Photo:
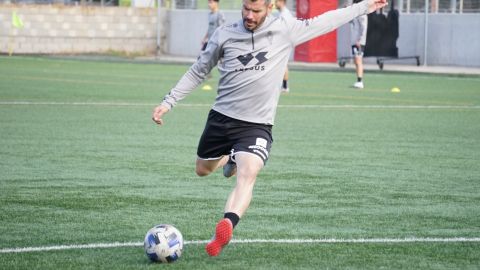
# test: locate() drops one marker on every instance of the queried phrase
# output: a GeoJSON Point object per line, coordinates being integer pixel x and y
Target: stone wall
{"type": "Point", "coordinates": [79, 29]}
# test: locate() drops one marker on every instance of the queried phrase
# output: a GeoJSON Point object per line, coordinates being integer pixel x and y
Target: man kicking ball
{"type": "Point", "coordinates": [251, 55]}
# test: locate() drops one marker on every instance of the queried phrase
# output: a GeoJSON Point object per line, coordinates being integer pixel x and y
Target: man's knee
{"type": "Point", "coordinates": [202, 171]}
{"type": "Point", "coordinates": [248, 166]}
{"type": "Point", "coordinates": [202, 168]}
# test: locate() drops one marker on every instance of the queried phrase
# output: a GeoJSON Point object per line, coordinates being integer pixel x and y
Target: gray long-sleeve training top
{"type": "Point", "coordinates": [252, 63]}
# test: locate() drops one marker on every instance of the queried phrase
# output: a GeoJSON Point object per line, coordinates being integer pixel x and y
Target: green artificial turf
{"type": "Point", "coordinates": [82, 163]}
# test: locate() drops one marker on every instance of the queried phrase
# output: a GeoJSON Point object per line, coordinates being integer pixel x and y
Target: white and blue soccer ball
{"type": "Point", "coordinates": [163, 243]}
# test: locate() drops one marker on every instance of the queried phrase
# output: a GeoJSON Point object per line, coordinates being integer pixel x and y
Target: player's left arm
{"type": "Point", "coordinates": [374, 5]}
{"type": "Point", "coordinates": [304, 30]}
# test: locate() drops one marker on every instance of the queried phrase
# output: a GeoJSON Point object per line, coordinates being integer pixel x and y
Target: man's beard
{"type": "Point", "coordinates": [257, 25]}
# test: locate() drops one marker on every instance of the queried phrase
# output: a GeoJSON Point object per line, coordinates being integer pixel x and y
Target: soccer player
{"type": "Point", "coordinates": [215, 20]}
{"type": "Point", "coordinates": [252, 55]}
{"type": "Point", "coordinates": [281, 5]}
{"type": "Point", "coordinates": [358, 38]}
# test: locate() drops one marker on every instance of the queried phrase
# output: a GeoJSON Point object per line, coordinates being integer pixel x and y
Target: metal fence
{"type": "Point", "coordinates": [64, 2]}
{"type": "Point", "coordinates": [434, 6]}
{"type": "Point", "coordinates": [201, 4]}
{"type": "Point", "coordinates": [440, 6]}
{"type": "Point", "coordinates": [404, 6]}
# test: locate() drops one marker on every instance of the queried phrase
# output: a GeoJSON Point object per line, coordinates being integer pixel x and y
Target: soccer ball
{"type": "Point", "coordinates": [163, 243]}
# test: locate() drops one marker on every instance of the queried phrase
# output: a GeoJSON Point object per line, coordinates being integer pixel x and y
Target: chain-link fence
{"type": "Point", "coordinates": [404, 6]}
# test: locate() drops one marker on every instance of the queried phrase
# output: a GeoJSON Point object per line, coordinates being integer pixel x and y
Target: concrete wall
{"type": "Point", "coordinates": [187, 29]}
{"type": "Point", "coordinates": [453, 39]}
{"type": "Point", "coordinates": [76, 29]}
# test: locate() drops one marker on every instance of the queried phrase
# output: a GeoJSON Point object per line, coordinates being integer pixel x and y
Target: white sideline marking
{"type": "Point", "coordinates": [74, 103]}
{"type": "Point", "coordinates": [255, 241]}
{"type": "Point", "coordinates": [326, 106]}
{"type": "Point", "coordinates": [65, 247]}
{"type": "Point", "coordinates": [383, 106]}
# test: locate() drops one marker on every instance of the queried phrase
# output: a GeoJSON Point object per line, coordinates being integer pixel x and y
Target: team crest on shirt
{"type": "Point", "coordinates": [270, 37]}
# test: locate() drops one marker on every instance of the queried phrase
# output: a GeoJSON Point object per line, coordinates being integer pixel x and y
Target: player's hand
{"type": "Point", "coordinates": [158, 113]}
{"type": "Point", "coordinates": [376, 4]}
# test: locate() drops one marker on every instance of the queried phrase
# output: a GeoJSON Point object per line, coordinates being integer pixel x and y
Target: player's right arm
{"type": "Point", "coordinates": [158, 113]}
{"type": "Point", "coordinates": [190, 80]}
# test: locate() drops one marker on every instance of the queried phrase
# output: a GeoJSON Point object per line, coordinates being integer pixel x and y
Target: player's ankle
{"type": "Point", "coordinates": [234, 218]}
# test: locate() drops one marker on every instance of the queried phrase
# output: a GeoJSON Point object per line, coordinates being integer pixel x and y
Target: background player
{"type": "Point", "coordinates": [358, 39]}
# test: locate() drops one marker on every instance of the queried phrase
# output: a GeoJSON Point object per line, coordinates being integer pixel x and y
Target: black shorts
{"type": "Point", "coordinates": [224, 135]}
{"type": "Point", "coordinates": [356, 51]}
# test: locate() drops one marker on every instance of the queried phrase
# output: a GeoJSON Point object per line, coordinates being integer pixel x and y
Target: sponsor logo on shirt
{"type": "Point", "coordinates": [247, 58]}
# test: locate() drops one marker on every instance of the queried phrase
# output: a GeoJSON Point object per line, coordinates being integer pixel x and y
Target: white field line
{"type": "Point", "coordinates": [382, 106]}
{"type": "Point", "coordinates": [324, 106]}
{"type": "Point", "coordinates": [255, 241]}
{"type": "Point", "coordinates": [54, 103]}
